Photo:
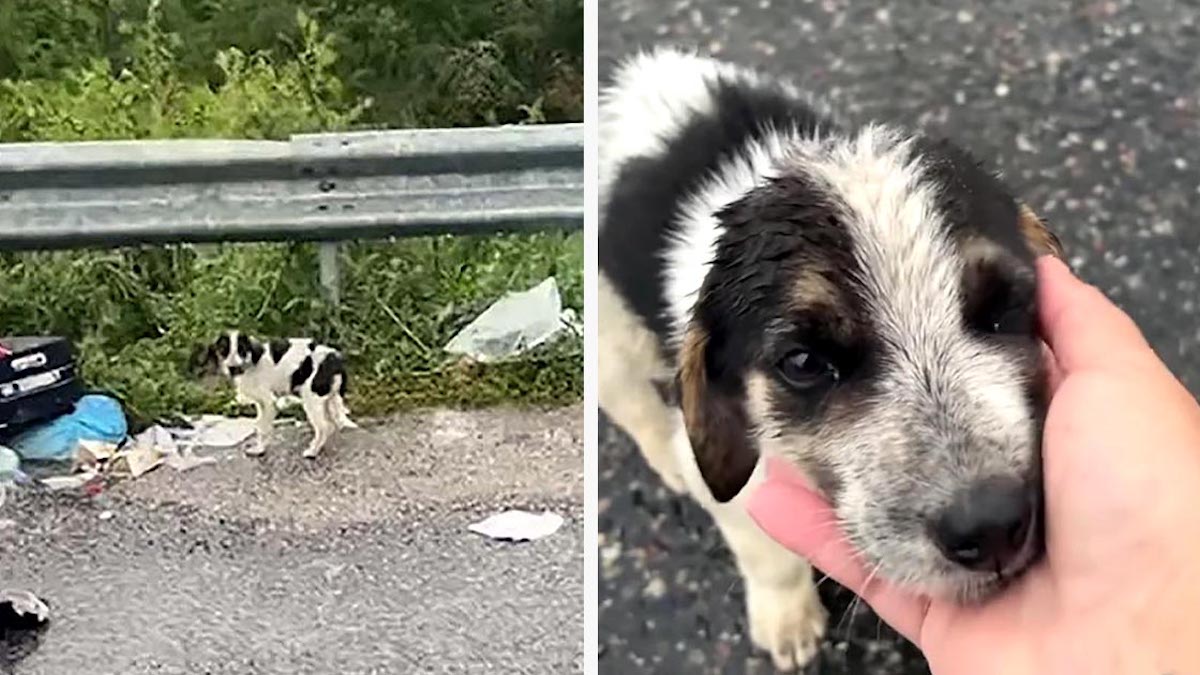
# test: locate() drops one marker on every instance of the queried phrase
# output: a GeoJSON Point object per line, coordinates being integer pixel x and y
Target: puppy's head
{"type": "Point", "coordinates": [869, 313]}
{"type": "Point", "coordinates": [230, 355]}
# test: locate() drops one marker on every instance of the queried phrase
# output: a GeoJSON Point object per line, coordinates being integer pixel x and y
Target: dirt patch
{"type": "Point", "coordinates": [399, 466]}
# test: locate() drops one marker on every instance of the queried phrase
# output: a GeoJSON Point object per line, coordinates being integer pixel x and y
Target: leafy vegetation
{"type": "Point", "coordinates": [106, 69]}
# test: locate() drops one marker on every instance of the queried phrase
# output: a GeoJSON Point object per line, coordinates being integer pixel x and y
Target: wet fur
{"type": "Point", "coordinates": [740, 219]}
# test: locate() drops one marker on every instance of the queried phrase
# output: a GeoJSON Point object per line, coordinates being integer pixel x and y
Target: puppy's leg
{"type": "Point", "coordinates": [316, 409]}
{"type": "Point", "coordinates": [265, 423]}
{"type": "Point", "coordinates": [341, 414]}
{"type": "Point", "coordinates": [785, 613]}
{"type": "Point", "coordinates": [628, 362]}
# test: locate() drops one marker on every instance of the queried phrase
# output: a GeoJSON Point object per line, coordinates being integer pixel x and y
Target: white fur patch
{"type": "Point", "coordinates": [909, 266]}
{"type": "Point", "coordinates": [655, 93]}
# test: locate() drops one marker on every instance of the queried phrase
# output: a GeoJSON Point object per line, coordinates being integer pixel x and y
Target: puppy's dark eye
{"type": "Point", "coordinates": [805, 370]}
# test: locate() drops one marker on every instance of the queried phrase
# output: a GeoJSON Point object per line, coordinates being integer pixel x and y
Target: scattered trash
{"type": "Point", "coordinates": [22, 610]}
{"type": "Point", "coordinates": [92, 453]}
{"type": "Point", "coordinates": [148, 450]}
{"type": "Point", "coordinates": [106, 515]}
{"type": "Point", "coordinates": [38, 380]}
{"type": "Point", "coordinates": [72, 481]}
{"type": "Point", "coordinates": [96, 417]}
{"type": "Point", "coordinates": [516, 525]}
{"type": "Point", "coordinates": [10, 471]}
{"type": "Point", "coordinates": [181, 462]}
{"type": "Point", "coordinates": [10, 462]}
{"type": "Point", "coordinates": [159, 445]}
{"type": "Point", "coordinates": [215, 432]}
{"type": "Point", "coordinates": [514, 324]}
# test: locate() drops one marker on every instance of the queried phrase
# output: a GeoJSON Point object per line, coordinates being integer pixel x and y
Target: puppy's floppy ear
{"type": "Point", "coordinates": [1040, 239]}
{"type": "Point", "coordinates": [716, 420]}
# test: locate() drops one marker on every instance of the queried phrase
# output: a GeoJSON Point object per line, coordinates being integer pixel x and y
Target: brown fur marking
{"type": "Point", "coordinates": [717, 423]}
{"type": "Point", "coordinates": [1040, 239]}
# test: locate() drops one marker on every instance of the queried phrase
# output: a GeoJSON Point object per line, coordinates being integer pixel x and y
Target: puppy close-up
{"type": "Point", "coordinates": [856, 299]}
{"type": "Point", "coordinates": [264, 371]}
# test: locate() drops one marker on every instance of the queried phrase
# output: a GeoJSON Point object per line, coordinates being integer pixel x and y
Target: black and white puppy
{"type": "Point", "coordinates": [264, 371]}
{"type": "Point", "coordinates": [856, 299]}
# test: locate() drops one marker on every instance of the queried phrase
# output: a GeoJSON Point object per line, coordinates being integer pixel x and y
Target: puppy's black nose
{"type": "Point", "coordinates": [236, 370]}
{"type": "Point", "coordinates": [987, 525]}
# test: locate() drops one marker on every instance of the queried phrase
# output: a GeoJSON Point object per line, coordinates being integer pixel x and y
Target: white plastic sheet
{"type": "Point", "coordinates": [517, 525]}
{"type": "Point", "coordinates": [514, 324]}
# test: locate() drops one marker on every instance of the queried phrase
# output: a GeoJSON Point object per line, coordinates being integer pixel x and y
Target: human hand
{"type": "Point", "coordinates": [1119, 587]}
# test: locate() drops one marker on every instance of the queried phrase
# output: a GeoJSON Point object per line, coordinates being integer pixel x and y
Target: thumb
{"type": "Point", "coordinates": [1083, 328]}
{"type": "Point", "coordinates": [794, 516]}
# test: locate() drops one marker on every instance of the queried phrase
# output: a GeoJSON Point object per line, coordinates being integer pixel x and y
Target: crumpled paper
{"type": "Point", "coordinates": [22, 610]}
{"type": "Point", "coordinates": [517, 525]}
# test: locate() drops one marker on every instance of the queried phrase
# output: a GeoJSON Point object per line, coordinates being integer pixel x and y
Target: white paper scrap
{"type": "Point", "coordinates": [518, 525]}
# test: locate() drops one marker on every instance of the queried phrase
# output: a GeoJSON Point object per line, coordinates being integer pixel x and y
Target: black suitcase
{"type": "Point", "coordinates": [37, 380]}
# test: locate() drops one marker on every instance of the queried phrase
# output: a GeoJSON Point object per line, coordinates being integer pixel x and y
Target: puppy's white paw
{"type": "Point", "coordinates": [256, 449]}
{"type": "Point", "coordinates": [788, 622]}
{"type": "Point", "coordinates": [347, 423]}
{"type": "Point", "coordinates": [312, 451]}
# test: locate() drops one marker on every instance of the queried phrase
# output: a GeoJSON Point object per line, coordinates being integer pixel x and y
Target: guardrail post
{"type": "Point", "coordinates": [331, 278]}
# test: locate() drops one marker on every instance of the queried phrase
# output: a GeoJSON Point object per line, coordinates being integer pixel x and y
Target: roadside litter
{"type": "Point", "coordinates": [10, 472]}
{"type": "Point", "coordinates": [37, 381]}
{"type": "Point", "coordinates": [518, 526]}
{"type": "Point", "coordinates": [22, 610]}
{"type": "Point", "coordinates": [72, 441]}
{"type": "Point", "coordinates": [515, 324]}
{"type": "Point", "coordinates": [215, 432]}
{"type": "Point", "coordinates": [74, 481]}
{"type": "Point", "coordinates": [175, 447]}
{"type": "Point", "coordinates": [93, 459]}
{"type": "Point", "coordinates": [95, 418]}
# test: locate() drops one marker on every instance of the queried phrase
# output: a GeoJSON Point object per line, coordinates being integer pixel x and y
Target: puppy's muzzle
{"type": "Point", "coordinates": [989, 526]}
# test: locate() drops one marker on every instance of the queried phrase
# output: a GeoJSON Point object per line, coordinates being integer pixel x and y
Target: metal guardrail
{"type": "Point", "coordinates": [315, 187]}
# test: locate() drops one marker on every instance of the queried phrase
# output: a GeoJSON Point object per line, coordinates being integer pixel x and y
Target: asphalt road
{"type": "Point", "coordinates": [1091, 111]}
{"type": "Point", "coordinates": [358, 563]}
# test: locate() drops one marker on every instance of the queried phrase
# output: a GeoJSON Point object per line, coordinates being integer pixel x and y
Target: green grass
{"type": "Point", "coordinates": [107, 69]}
{"type": "Point", "coordinates": [136, 314]}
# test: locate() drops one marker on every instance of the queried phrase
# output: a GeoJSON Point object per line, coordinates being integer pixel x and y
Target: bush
{"type": "Point", "coordinates": [136, 315]}
{"type": "Point", "coordinates": [107, 69]}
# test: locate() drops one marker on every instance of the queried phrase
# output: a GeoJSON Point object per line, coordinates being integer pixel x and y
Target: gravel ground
{"type": "Point", "coordinates": [1091, 111]}
{"type": "Point", "coordinates": [357, 563]}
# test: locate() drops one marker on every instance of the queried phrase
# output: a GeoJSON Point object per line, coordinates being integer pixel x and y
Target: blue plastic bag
{"type": "Point", "coordinates": [96, 418]}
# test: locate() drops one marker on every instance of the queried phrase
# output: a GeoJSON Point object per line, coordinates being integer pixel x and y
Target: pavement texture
{"type": "Point", "coordinates": [1091, 111]}
{"type": "Point", "coordinates": [359, 562]}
